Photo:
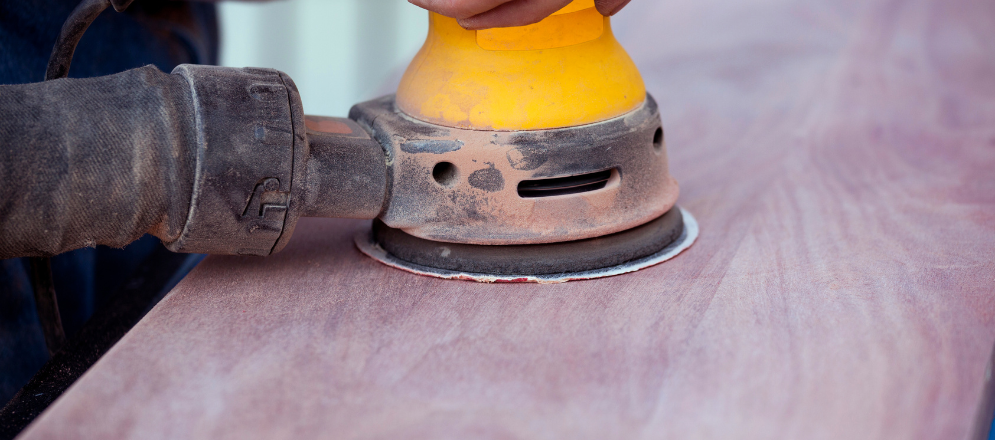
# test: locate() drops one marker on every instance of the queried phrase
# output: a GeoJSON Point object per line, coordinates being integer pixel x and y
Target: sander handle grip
{"type": "Point", "coordinates": [209, 159]}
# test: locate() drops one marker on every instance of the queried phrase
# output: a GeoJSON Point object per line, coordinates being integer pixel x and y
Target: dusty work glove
{"type": "Point", "coordinates": [484, 14]}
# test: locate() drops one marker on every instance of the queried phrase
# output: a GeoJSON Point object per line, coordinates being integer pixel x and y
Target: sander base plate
{"type": "Point", "coordinates": [367, 244]}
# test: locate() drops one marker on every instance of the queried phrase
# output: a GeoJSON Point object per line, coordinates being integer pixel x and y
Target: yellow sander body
{"type": "Point", "coordinates": [564, 71]}
{"type": "Point", "coordinates": [527, 153]}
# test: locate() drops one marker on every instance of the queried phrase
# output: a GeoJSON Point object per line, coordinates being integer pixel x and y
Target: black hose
{"type": "Point", "coordinates": [46, 302]}
{"type": "Point", "coordinates": [72, 31]}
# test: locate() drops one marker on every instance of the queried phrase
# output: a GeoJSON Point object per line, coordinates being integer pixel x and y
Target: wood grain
{"type": "Point", "coordinates": [839, 156]}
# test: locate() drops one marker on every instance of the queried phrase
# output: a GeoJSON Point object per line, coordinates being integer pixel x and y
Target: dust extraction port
{"type": "Point", "coordinates": [560, 186]}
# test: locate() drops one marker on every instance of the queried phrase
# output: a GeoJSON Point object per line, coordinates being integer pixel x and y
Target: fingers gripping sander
{"type": "Point", "coordinates": [530, 153]}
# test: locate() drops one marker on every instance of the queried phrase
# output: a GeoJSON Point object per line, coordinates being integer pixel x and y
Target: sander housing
{"type": "Point", "coordinates": [521, 154]}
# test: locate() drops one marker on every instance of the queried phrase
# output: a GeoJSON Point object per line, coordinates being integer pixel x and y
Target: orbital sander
{"type": "Point", "coordinates": [529, 153]}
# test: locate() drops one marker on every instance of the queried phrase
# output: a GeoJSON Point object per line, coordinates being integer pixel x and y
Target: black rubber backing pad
{"type": "Point", "coordinates": [534, 259]}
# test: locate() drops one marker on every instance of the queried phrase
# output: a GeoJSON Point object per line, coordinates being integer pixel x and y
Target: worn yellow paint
{"type": "Point", "coordinates": [455, 82]}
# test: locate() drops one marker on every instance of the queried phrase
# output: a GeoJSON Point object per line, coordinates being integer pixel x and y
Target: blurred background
{"type": "Point", "coordinates": [339, 52]}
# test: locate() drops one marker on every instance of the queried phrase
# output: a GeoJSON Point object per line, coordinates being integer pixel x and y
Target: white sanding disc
{"type": "Point", "coordinates": [366, 244]}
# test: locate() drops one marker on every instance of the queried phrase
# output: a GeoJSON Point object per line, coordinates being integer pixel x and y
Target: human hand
{"type": "Point", "coordinates": [483, 14]}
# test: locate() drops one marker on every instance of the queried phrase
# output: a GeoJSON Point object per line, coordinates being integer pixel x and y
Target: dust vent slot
{"type": "Point", "coordinates": [560, 186]}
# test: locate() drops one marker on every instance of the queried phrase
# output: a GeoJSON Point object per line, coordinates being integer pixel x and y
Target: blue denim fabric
{"type": "Point", "coordinates": [22, 345]}
{"type": "Point", "coordinates": [158, 32]}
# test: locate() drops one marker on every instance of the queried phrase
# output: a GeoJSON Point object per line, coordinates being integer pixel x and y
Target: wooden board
{"type": "Point", "coordinates": [839, 156]}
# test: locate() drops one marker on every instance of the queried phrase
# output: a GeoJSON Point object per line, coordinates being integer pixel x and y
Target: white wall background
{"type": "Point", "coordinates": [339, 52]}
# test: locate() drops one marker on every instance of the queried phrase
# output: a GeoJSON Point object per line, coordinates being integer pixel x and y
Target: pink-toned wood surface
{"type": "Point", "coordinates": [840, 158]}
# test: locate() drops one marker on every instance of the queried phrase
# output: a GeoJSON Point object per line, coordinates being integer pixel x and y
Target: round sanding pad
{"type": "Point", "coordinates": [623, 252]}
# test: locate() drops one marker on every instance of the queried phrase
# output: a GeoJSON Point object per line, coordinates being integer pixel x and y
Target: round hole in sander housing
{"type": "Point", "coordinates": [445, 174]}
{"type": "Point", "coordinates": [622, 252]}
